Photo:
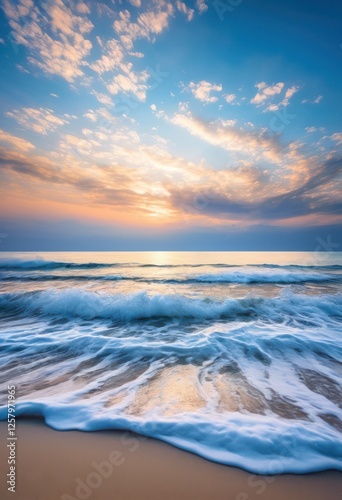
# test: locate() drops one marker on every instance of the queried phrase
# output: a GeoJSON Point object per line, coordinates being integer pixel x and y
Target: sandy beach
{"type": "Point", "coordinates": [107, 465]}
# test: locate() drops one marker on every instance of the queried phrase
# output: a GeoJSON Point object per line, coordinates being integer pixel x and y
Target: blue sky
{"type": "Point", "coordinates": [170, 125]}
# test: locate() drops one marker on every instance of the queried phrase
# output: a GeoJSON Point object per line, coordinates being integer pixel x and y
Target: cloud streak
{"type": "Point", "coordinates": [16, 142]}
{"type": "Point", "coordinates": [40, 120]}
{"type": "Point", "coordinates": [220, 133]}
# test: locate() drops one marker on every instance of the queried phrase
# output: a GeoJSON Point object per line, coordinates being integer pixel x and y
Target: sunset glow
{"type": "Point", "coordinates": [107, 123]}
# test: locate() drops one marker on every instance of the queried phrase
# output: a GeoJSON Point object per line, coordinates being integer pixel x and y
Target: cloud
{"type": "Point", "coordinates": [57, 37]}
{"type": "Point", "coordinates": [317, 199]}
{"type": "Point", "coordinates": [202, 90]}
{"type": "Point", "coordinates": [337, 137]}
{"type": "Point", "coordinates": [40, 120]}
{"type": "Point", "coordinates": [17, 142]}
{"type": "Point", "coordinates": [103, 98]}
{"type": "Point", "coordinates": [22, 69]}
{"type": "Point", "coordinates": [285, 101]}
{"type": "Point", "coordinates": [181, 6]}
{"type": "Point", "coordinates": [103, 10]}
{"type": "Point", "coordinates": [110, 166]}
{"type": "Point", "coordinates": [230, 138]}
{"type": "Point", "coordinates": [230, 98]}
{"type": "Point", "coordinates": [116, 51]}
{"type": "Point", "coordinates": [25, 167]}
{"type": "Point", "coordinates": [317, 100]}
{"type": "Point", "coordinates": [126, 80]}
{"type": "Point", "coordinates": [114, 185]}
{"type": "Point", "coordinates": [53, 34]}
{"type": "Point", "coordinates": [135, 3]}
{"type": "Point", "coordinates": [102, 116]}
{"type": "Point", "coordinates": [265, 92]}
{"type": "Point", "coordinates": [148, 23]}
{"type": "Point", "coordinates": [202, 6]}
{"type": "Point", "coordinates": [111, 59]}
{"type": "Point", "coordinates": [136, 54]}
{"type": "Point", "coordinates": [130, 82]}
{"type": "Point", "coordinates": [227, 123]}
{"type": "Point", "coordinates": [82, 8]}
{"type": "Point", "coordinates": [91, 115]}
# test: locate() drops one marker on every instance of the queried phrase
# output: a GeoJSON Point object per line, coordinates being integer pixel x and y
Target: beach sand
{"type": "Point", "coordinates": [108, 465]}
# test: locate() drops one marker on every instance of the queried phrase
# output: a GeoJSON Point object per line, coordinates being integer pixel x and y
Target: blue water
{"type": "Point", "coordinates": [234, 356]}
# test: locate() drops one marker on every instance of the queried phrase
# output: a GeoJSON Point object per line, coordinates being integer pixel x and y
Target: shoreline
{"type": "Point", "coordinates": [108, 465]}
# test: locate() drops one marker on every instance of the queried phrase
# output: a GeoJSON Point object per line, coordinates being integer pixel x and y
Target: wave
{"type": "Point", "coordinates": [79, 303]}
{"type": "Point", "coordinates": [17, 264]}
{"type": "Point", "coordinates": [261, 447]}
{"type": "Point", "coordinates": [257, 276]}
{"type": "Point", "coordinates": [41, 264]}
{"type": "Point", "coordinates": [238, 277]}
{"type": "Point", "coordinates": [65, 277]}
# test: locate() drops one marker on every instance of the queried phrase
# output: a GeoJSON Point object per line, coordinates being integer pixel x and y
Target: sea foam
{"type": "Point", "coordinates": [237, 363]}
{"type": "Point", "coordinates": [80, 303]}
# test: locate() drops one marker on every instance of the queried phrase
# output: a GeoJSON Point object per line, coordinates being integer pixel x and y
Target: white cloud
{"type": "Point", "coordinates": [103, 98]}
{"type": "Point", "coordinates": [147, 24]}
{"type": "Point", "coordinates": [181, 6]}
{"type": "Point", "coordinates": [136, 54]}
{"type": "Point", "coordinates": [337, 137]}
{"type": "Point", "coordinates": [202, 90]}
{"type": "Point", "coordinates": [40, 120]}
{"type": "Point", "coordinates": [183, 107]}
{"type": "Point", "coordinates": [202, 6]}
{"type": "Point", "coordinates": [53, 34]}
{"type": "Point", "coordinates": [227, 123]}
{"type": "Point", "coordinates": [135, 3]}
{"type": "Point", "coordinates": [82, 8]}
{"type": "Point", "coordinates": [153, 107]}
{"type": "Point", "coordinates": [91, 115]}
{"type": "Point", "coordinates": [111, 59]}
{"type": "Point", "coordinates": [230, 98]}
{"type": "Point", "coordinates": [265, 92]}
{"type": "Point", "coordinates": [134, 83]}
{"type": "Point", "coordinates": [285, 101]}
{"type": "Point", "coordinates": [102, 116]}
{"type": "Point", "coordinates": [317, 100]}
{"type": "Point", "coordinates": [21, 68]}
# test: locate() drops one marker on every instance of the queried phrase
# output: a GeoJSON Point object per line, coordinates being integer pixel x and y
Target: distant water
{"type": "Point", "coordinates": [234, 356]}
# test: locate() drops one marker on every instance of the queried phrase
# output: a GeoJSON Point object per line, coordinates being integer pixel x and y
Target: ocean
{"type": "Point", "coordinates": [234, 356]}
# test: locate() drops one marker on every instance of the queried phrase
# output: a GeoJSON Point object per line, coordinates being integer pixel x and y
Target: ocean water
{"type": "Point", "coordinates": [234, 356]}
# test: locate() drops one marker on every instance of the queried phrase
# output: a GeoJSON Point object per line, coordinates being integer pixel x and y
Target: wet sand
{"type": "Point", "coordinates": [107, 465]}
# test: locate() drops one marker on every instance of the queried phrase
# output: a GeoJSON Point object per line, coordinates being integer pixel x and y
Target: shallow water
{"type": "Point", "coordinates": [234, 356]}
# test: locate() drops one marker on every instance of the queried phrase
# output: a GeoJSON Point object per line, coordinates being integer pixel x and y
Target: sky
{"type": "Point", "coordinates": [170, 125]}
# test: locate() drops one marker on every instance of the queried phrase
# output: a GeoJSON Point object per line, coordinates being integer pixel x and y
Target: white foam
{"type": "Point", "coordinates": [113, 361]}
{"type": "Point", "coordinates": [259, 445]}
{"type": "Point", "coordinates": [78, 302]}
{"type": "Point", "coordinates": [257, 275]}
